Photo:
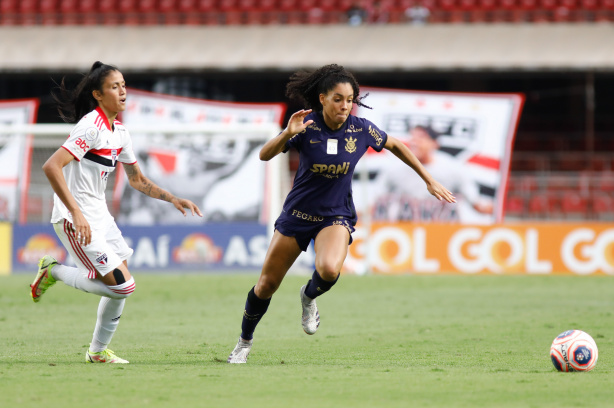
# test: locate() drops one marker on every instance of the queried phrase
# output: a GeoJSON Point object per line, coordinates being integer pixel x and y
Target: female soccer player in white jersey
{"type": "Point", "coordinates": [319, 207]}
{"type": "Point", "coordinates": [78, 172]}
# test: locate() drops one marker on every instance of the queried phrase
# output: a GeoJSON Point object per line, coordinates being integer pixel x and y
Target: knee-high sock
{"type": "Point", "coordinates": [318, 286]}
{"type": "Point", "coordinates": [77, 279]}
{"type": "Point", "coordinates": [109, 312]}
{"type": "Point", "coordinates": [255, 308]}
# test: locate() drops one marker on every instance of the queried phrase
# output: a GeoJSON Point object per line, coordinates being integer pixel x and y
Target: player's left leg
{"type": "Point", "coordinates": [109, 312]}
{"type": "Point", "coordinates": [331, 248]}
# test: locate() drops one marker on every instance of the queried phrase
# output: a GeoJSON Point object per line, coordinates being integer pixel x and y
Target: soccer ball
{"type": "Point", "coordinates": [574, 350]}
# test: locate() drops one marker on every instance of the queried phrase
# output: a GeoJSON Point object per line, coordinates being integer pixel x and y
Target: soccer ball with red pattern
{"type": "Point", "coordinates": [574, 350]}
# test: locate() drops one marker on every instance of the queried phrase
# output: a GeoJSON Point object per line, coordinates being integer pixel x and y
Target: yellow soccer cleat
{"type": "Point", "coordinates": [43, 280]}
{"type": "Point", "coordinates": [104, 356]}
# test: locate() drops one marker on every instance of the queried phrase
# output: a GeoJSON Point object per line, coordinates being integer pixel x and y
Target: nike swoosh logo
{"type": "Point", "coordinates": [314, 141]}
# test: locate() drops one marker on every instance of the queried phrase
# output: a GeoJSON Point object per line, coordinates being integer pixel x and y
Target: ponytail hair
{"type": "Point", "coordinates": [306, 86]}
{"type": "Point", "coordinates": [73, 104]}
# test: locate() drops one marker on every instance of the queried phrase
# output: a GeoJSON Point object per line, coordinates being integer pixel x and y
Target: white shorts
{"type": "Point", "coordinates": [106, 252]}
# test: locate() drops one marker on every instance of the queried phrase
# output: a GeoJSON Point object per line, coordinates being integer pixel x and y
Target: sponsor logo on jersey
{"type": "Point", "coordinates": [315, 141]}
{"type": "Point", "coordinates": [376, 135]}
{"type": "Point", "coordinates": [331, 169]}
{"type": "Point", "coordinates": [101, 258]}
{"type": "Point", "coordinates": [350, 146]}
{"type": "Point", "coordinates": [352, 129]}
{"type": "Point", "coordinates": [307, 217]}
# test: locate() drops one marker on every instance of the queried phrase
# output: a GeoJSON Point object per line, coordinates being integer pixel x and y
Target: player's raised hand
{"type": "Point", "coordinates": [440, 192]}
{"type": "Point", "coordinates": [295, 124]}
{"type": "Point", "coordinates": [181, 203]}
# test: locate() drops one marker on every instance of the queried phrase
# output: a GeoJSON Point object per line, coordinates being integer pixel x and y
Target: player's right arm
{"type": "Point", "coordinates": [295, 126]}
{"type": "Point", "coordinates": [53, 170]}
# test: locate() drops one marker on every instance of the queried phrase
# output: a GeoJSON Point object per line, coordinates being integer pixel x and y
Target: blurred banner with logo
{"type": "Point", "coordinates": [222, 173]}
{"type": "Point", "coordinates": [464, 140]}
{"type": "Point", "coordinates": [536, 249]}
{"type": "Point", "coordinates": [209, 247]}
{"type": "Point", "coordinates": [15, 158]}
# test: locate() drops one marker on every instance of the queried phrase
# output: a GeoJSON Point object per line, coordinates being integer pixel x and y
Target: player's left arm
{"type": "Point", "coordinates": [141, 183]}
{"type": "Point", "coordinates": [400, 150]}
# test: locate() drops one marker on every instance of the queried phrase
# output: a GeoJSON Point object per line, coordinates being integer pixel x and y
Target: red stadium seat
{"type": "Point", "coordinates": [541, 204]}
{"type": "Point", "coordinates": [447, 4]}
{"type": "Point", "coordinates": [69, 12]}
{"type": "Point", "coordinates": [508, 4]}
{"type": "Point", "coordinates": [602, 206]}
{"type": "Point", "coordinates": [228, 5]}
{"type": "Point", "coordinates": [267, 5]}
{"type": "Point", "coordinates": [108, 12]}
{"type": "Point", "coordinates": [528, 4]}
{"type": "Point", "coordinates": [574, 205]}
{"type": "Point", "coordinates": [247, 5]}
{"type": "Point", "coordinates": [49, 12]}
{"type": "Point", "coordinates": [89, 12]}
{"type": "Point", "coordinates": [169, 12]}
{"type": "Point", "coordinates": [148, 12]}
{"type": "Point", "coordinates": [328, 5]}
{"type": "Point", "coordinates": [487, 4]}
{"type": "Point", "coordinates": [468, 4]}
{"type": "Point", "coordinates": [206, 5]}
{"type": "Point", "coordinates": [287, 5]}
{"type": "Point", "coordinates": [28, 10]}
{"type": "Point", "coordinates": [548, 4]}
{"type": "Point", "coordinates": [307, 5]}
{"type": "Point", "coordinates": [515, 205]}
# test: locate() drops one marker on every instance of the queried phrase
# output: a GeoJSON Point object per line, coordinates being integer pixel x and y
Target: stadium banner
{"type": "Point", "coordinates": [222, 173]}
{"type": "Point", "coordinates": [6, 244]}
{"type": "Point", "coordinates": [15, 156]}
{"type": "Point", "coordinates": [534, 249]}
{"type": "Point", "coordinates": [209, 247]}
{"type": "Point", "coordinates": [464, 140]}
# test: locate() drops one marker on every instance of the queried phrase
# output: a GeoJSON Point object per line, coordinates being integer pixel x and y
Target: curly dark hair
{"type": "Point", "coordinates": [73, 104]}
{"type": "Point", "coordinates": [306, 86]}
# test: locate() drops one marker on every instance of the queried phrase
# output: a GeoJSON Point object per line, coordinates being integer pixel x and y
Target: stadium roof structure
{"type": "Point", "coordinates": [283, 47]}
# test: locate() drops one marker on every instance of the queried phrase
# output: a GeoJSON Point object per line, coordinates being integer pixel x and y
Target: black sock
{"type": "Point", "coordinates": [318, 286]}
{"type": "Point", "coordinates": [255, 308]}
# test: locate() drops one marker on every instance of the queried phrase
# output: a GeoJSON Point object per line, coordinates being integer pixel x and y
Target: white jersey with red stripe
{"type": "Point", "coordinates": [97, 147]}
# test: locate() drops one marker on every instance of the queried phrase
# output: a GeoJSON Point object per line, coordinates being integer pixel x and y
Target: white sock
{"type": "Point", "coordinates": [109, 312]}
{"type": "Point", "coordinates": [77, 279]}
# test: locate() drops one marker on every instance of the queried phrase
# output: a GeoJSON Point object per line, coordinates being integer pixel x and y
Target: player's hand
{"type": "Point", "coordinates": [181, 203]}
{"type": "Point", "coordinates": [295, 124]}
{"type": "Point", "coordinates": [83, 231]}
{"type": "Point", "coordinates": [440, 192]}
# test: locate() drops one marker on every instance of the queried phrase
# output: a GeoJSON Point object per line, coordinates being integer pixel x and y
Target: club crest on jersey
{"type": "Point", "coordinates": [113, 156]}
{"type": "Point", "coordinates": [101, 258]}
{"type": "Point", "coordinates": [350, 146]}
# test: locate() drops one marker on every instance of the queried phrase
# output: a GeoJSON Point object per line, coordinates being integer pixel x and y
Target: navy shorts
{"type": "Point", "coordinates": [306, 230]}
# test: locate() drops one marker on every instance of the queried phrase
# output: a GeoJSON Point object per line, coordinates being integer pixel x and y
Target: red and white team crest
{"type": "Point", "coordinates": [101, 258]}
{"type": "Point", "coordinates": [113, 156]}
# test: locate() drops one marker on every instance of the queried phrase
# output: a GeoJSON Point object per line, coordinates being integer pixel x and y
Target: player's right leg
{"type": "Point", "coordinates": [280, 256]}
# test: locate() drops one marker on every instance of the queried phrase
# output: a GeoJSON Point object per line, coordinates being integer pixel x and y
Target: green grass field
{"type": "Point", "coordinates": [384, 341]}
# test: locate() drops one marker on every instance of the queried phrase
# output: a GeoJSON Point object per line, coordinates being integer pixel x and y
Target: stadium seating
{"type": "Point", "coordinates": [150, 12]}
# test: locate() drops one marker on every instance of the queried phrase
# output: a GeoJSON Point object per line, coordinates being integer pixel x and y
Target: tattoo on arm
{"type": "Point", "coordinates": [146, 186]}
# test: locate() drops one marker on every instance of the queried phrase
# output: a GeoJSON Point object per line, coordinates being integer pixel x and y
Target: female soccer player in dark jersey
{"type": "Point", "coordinates": [319, 207]}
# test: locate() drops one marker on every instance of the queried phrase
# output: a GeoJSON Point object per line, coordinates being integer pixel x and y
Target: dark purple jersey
{"type": "Point", "coordinates": [323, 183]}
